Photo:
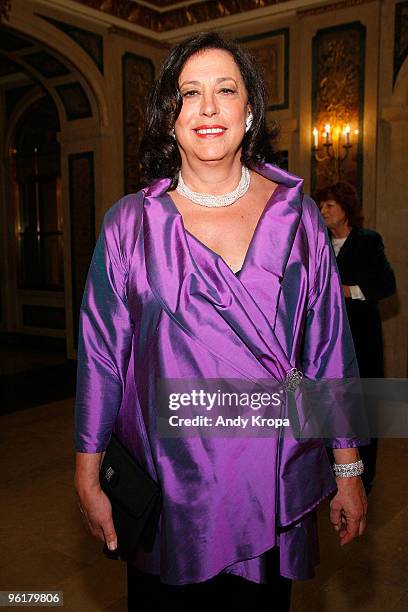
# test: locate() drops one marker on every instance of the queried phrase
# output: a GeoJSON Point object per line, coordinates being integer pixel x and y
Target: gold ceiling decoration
{"type": "Point", "coordinates": [172, 19]}
{"type": "Point", "coordinates": [5, 7]}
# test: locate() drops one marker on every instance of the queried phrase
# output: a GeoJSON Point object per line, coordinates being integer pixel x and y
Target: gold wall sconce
{"type": "Point", "coordinates": [333, 143]}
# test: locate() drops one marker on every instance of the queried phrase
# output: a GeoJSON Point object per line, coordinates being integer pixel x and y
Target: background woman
{"type": "Point", "coordinates": [366, 277]}
{"type": "Point", "coordinates": [163, 300]}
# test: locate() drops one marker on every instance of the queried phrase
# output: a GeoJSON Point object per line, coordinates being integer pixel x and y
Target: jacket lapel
{"type": "Point", "coordinates": [346, 246]}
{"type": "Point", "coordinates": [200, 292]}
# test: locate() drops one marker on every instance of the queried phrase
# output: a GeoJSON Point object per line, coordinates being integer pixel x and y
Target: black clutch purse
{"type": "Point", "coordinates": [135, 498]}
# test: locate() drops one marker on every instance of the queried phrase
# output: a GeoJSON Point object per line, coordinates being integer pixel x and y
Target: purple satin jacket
{"type": "Point", "coordinates": [159, 304]}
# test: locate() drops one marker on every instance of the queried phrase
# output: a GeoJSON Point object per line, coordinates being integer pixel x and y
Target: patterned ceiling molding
{"type": "Point", "coordinates": [5, 8]}
{"type": "Point", "coordinates": [400, 37]}
{"type": "Point", "coordinates": [181, 17]}
{"type": "Point", "coordinates": [335, 6]}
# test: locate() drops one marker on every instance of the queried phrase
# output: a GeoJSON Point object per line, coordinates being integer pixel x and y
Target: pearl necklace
{"type": "Point", "coordinates": [215, 201]}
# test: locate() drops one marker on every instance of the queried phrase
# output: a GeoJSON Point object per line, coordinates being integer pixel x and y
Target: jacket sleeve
{"type": "Point", "coordinates": [105, 334]}
{"type": "Point", "coordinates": [328, 349]}
{"type": "Point", "coordinates": [376, 277]}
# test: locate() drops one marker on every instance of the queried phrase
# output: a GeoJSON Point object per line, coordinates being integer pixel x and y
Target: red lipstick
{"type": "Point", "coordinates": [209, 127]}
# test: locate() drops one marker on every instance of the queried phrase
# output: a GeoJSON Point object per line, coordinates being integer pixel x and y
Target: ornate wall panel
{"type": "Point", "coordinates": [271, 49]}
{"type": "Point", "coordinates": [338, 98]}
{"type": "Point", "coordinates": [137, 80]}
{"type": "Point", "coordinates": [400, 36]}
{"type": "Point", "coordinates": [82, 220]}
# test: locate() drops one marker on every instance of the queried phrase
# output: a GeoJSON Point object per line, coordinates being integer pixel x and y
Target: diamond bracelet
{"type": "Point", "coordinates": [346, 470]}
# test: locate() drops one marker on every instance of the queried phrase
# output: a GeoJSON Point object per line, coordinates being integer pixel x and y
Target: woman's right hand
{"type": "Point", "coordinates": [97, 511]}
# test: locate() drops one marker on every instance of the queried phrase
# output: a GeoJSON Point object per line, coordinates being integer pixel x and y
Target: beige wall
{"type": "Point", "coordinates": [392, 189]}
{"type": "Point", "coordinates": [385, 123]}
{"type": "Point", "coordinates": [385, 176]}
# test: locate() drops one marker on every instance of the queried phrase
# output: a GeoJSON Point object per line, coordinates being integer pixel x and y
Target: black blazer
{"type": "Point", "coordinates": [362, 261]}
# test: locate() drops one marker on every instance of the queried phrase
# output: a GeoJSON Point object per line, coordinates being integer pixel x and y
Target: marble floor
{"type": "Point", "coordinates": [44, 544]}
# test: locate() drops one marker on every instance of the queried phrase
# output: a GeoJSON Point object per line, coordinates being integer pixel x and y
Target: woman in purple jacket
{"type": "Point", "coordinates": [219, 269]}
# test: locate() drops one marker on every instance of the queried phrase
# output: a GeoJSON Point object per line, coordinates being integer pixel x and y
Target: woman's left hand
{"type": "Point", "coordinates": [348, 509]}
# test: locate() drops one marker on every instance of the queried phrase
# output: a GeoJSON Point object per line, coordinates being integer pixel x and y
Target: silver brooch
{"type": "Point", "coordinates": [109, 473]}
{"type": "Point", "coordinates": [292, 380]}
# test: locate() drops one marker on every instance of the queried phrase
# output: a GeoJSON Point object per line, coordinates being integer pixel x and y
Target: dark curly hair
{"type": "Point", "coordinates": [158, 152]}
{"type": "Point", "coordinates": [346, 196]}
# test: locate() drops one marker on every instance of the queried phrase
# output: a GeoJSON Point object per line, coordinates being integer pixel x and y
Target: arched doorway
{"type": "Point", "coordinates": [36, 174]}
{"type": "Point", "coordinates": [52, 124]}
{"type": "Point", "coordinates": [37, 169]}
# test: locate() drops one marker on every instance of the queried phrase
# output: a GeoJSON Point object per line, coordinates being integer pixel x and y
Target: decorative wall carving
{"type": "Point", "coordinates": [82, 223]}
{"type": "Point", "coordinates": [338, 96]}
{"type": "Point", "coordinates": [137, 81]}
{"type": "Point", "coordinates": [271, 49]}
{"type": "Point", "coordinates": [400, 36]}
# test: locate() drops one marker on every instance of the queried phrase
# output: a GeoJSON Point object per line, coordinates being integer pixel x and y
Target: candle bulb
{"type": "Point", "coordinates": [315, 138]}
{"type": "Point", "coordinates": [347, 134]}
{"type": "Point", "coordinates": [327, 132]}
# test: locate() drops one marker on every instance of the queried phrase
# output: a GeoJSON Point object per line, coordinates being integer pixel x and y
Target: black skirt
{"type": "Point", "coordinates": [225, 591]}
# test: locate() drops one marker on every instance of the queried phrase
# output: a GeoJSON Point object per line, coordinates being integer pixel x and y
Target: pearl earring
{"type": "Point", "coordinates": [248, 122]}
{"type": "Point", "coordinates": [173, 134]}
